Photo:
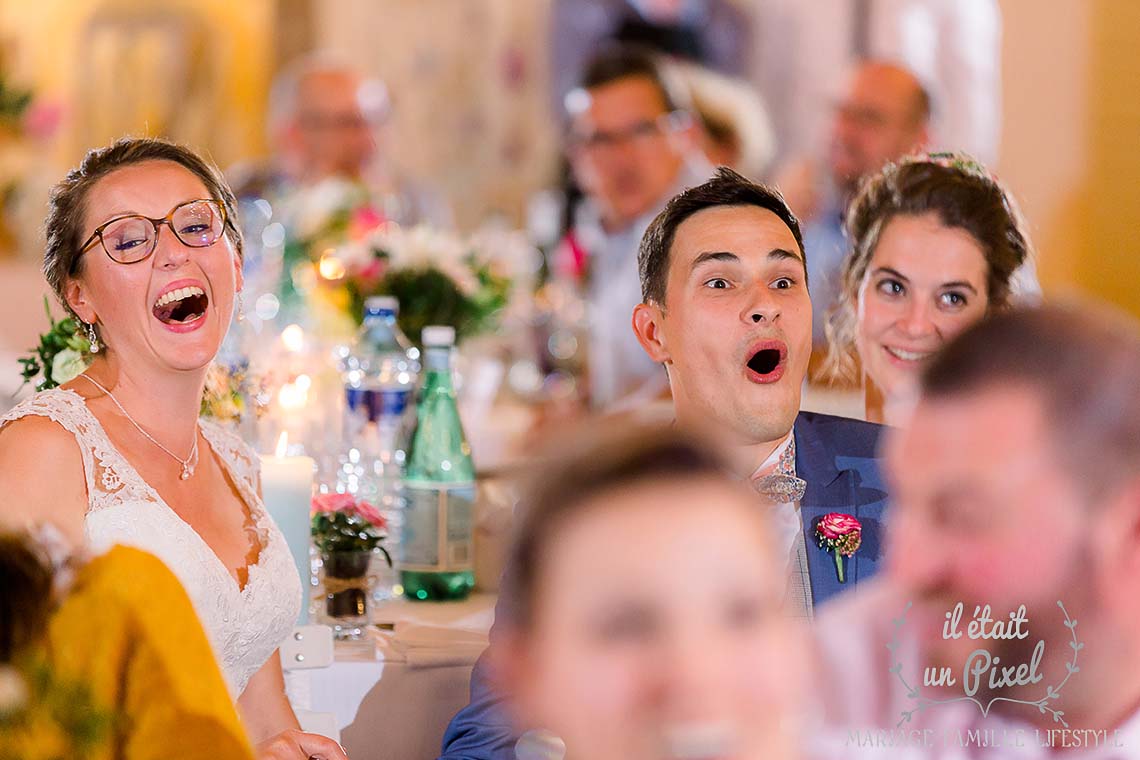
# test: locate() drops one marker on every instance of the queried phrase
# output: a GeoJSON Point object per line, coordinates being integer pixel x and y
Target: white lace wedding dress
{"type": "Point", "coordinates": [244, 625]}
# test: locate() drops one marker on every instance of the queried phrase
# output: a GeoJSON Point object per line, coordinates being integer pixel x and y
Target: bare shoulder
{"type": "Point", "coordinates": [41, 475]}
{"type": "Point", "coordinates": [36, 439]}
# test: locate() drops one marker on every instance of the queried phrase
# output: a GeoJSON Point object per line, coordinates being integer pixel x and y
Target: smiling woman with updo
{"type": "Point", "coordinates": [143, 249]}
{"type": "Point", "coordinates": [937, 244]}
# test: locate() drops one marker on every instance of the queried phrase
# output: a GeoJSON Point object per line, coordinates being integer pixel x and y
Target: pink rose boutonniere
{"type": "Point", "coordinates": [840, 534]}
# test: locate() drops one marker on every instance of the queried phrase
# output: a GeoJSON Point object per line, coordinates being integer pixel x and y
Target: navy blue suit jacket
{"type": "Point", "coordinates": [838, 459]}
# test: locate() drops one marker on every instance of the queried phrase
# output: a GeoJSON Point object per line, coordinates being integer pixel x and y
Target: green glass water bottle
{"type": "Point", "coordinates": [437, 544]}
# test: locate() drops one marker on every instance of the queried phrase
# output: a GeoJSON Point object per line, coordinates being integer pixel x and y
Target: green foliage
{"type": "Point", "coordinates": [13, 102]}
{"type": "Point", "coordinates": [61, 336]}
{"type": "Point", "coordinates": [346, 531]}
{"type": "Point", "coordinates": [428, 296]}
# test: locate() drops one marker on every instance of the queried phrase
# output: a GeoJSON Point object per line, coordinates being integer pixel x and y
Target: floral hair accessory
{"type": "Point", "coordinates": [63, 352]}
{"type": "Point", "coordinates": [840, 534]}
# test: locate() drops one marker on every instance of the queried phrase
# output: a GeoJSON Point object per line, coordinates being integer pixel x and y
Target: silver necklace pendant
{"type": "Point", "coordinates": [188, 464]}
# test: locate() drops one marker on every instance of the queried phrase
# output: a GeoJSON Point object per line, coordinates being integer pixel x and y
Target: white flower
{"type": "Point", "coordinates": [355, 255]}
{"type": "Point", "coordinates": [310, 209]}
{"type": "Point", "coordinates": [13, 690]}
{"type": "Point", "coordinates": [508, 253]}
{"type": "Point", "coordinates": [66, 365]}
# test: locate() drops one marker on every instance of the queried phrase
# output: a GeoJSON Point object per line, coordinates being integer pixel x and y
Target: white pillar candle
{"type": "Point", "coordinates": [287, 488]}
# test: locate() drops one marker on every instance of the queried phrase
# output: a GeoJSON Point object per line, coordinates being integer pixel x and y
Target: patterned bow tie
{"type": "Point", "coordinates": [779, 483]}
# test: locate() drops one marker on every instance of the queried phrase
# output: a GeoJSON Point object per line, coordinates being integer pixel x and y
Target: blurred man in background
{"type": "Point", "coordinates": [632, 145]}
{"type": "Point", "coordinates": [882, 114]}
{"type": "Point", "coordinates": [712, 33]}
{"type": "Point", "coordinates": [329, 122]}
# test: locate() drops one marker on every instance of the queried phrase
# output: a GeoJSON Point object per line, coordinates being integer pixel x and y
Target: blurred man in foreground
{"type": "Point", "coordinates": [1013, 553]}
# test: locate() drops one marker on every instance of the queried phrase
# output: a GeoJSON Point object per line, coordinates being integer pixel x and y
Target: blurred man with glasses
{"type": "Point", "coordinates": [631, 145]}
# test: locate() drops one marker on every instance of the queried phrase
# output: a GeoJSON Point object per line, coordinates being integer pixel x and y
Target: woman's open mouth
{"type": "Point", "coordinates": [766, 363]}
{"type": "Point", "coordinates": [181, 306]}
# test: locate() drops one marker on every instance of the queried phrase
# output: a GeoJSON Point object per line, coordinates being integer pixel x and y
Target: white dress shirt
{"type": "Point", "coordinates": [787, 526]}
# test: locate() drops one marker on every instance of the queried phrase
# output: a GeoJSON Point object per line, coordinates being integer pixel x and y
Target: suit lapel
{"type": "Point", "coordinates": [828, 490]}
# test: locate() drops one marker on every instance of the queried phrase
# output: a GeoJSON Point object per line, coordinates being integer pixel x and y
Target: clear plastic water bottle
{"type": "Point", "coordinates": [437, 546]}
{"type": "Point", "coordinates": [380, 375]}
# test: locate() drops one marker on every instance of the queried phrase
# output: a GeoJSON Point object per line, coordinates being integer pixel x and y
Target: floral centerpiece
{"type": "Point", "coordinates": [318, 219]}
{"type": "Point", "coordinates": [438, 277]}
{"type": "Point", "coordinates": [230, 391]}
{"type": "Point", "coordinates": [341, 249]}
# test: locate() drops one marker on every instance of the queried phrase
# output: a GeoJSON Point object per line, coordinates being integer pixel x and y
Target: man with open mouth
{"type": "Point", "coordinates": [726, 312]}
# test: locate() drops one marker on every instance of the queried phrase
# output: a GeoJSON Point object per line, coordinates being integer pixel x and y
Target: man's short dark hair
{"type": "Point", "coordinates": [615, 62]}
{"type": "Point", "coordinates": [726, 188]}
{"type": "Point", "coordinates": [1084, 361]}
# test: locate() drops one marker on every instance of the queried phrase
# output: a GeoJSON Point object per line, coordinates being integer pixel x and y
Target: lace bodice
{"type": "Point", "coordinates": [244, 625]}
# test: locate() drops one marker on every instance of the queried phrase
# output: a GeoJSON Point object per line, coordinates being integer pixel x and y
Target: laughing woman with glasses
{"type": "Point", "coordinates": [143, 249]}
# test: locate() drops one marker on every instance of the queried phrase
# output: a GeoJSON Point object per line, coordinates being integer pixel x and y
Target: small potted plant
{"type": "Point", "coordinates": [346, 532]}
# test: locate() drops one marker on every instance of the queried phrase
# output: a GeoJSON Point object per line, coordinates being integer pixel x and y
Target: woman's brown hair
{"type": "Point", "coordinates": [25, 594]}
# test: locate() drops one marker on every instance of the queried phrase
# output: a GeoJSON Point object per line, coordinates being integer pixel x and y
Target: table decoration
{"type": "Point", "coordinates": [347, 532]}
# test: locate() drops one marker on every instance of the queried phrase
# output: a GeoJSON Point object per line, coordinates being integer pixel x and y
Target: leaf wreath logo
{"type": "Point", "coordinates": [922, 703]}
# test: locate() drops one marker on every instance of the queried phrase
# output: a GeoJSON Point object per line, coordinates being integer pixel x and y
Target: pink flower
{"type": "Point", "coordinates": [363, 221]}
{"type": "Point", "coordinates": [372, 273]}
{"type": "Point", "coordinates": [836, 526]}
{"type": "Point", "coordinates": [329, 503]}
{"type": "Point", "coordinates": [42, 119]}
{"type": "Point", "coordinates": [333, 502]}
{"type": "Point", "coordinates": [371, 514]}
{"type": "Point", "coordinates": [841, 534]}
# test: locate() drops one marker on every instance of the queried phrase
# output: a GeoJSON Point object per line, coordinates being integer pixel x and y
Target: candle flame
{"type": "Point", "coordinates": [331, 268]}
{"type": "Point", "coordinates": [294, 395]}
{"type": "Point", "coordinates": [283, 443]}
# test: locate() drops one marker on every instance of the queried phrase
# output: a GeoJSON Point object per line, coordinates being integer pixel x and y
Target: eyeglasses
{"type": "Point", "coordinates": [133, 238]}
{"type": "Point", "coordinates": [640, 134]}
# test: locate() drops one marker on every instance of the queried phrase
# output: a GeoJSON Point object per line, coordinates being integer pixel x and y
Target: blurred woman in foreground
{"type": "Point", "coordinates": [105, 659]}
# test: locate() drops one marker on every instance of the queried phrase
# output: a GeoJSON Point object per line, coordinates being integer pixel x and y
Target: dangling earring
{"type": "Point", "coordinates": [92, 338]}
{"type": "Point", "coordinates": [240, 307]}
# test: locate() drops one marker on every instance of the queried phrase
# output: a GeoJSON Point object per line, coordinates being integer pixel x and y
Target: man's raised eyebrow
{"type": "Point", "coordinates": [784, 253]}
{"type": "Point", "coordinates": [714, 256]}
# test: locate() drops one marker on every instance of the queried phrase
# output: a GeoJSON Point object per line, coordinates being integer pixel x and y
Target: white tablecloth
{"type": "Point", "coordinates": [388, 710]}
